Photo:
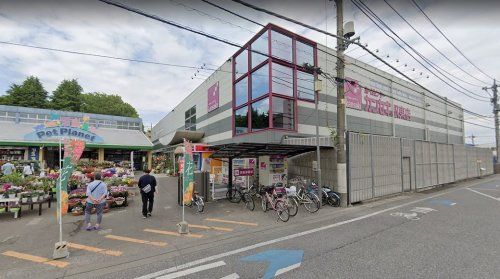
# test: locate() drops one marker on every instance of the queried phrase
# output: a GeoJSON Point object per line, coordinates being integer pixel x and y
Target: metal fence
{"type": "Point", "coordinates": [382, 165]}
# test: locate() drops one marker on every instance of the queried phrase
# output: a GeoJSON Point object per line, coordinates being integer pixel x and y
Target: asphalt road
{"type": "Point", "coordinates": [449, 232]}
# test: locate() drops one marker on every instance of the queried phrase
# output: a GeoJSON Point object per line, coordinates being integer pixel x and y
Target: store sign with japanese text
{"type": "Point", "coordinates": [372, 101]}
{"type": "Point", "coordinates": [213, 97]}
{"type": "Point", "coordinates": [65, 127]}
{"type": "Point", "coordinates": [244, 172]}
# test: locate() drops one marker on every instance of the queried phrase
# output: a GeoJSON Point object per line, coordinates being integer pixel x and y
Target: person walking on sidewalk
{"type": "Point", "coordinates": [147, 184]}
{"type": "Point", "coordinates": [97, 191]}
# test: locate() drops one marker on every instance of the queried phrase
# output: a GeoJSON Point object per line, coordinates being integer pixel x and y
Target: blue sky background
{"type": "Point", "coordinates": [91, 26]}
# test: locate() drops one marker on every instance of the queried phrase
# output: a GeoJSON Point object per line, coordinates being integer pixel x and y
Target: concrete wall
{"type": "Point", "coordinates": [301, 165]}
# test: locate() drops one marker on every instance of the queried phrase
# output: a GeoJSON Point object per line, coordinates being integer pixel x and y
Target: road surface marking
{"type": "Point", "coordinates": [292, 236]}
{"type": "Point", "coordinates": [135, 240]}
{"type": "Point", "coordinates": [491, 197]}
{"type": "Point", "coordinates": [231, 276]}
{"type": "Point", "coordinates": [232, 222]}
{"type": "Point", "coordinates": [94, 249]}
{"type": "Point", "coordinates": [211, 228]}
{"type": "Point", "coordinates": [34, 221]}
{"type": "Point", "coordinates": [286, 269]}
{"type": "Point", "coordinates": [193, 235]}
{"type": "Point", "coordinates": [192, 270]}
{"type": "Point", "coordinates": [35, 259]}
{"type": "Point", "coordinates": [423, 210]}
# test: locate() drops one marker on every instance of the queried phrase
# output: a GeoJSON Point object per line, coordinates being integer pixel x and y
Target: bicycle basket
{"type": "Point", "coordinates": [280, 190]}
{"type": "Point", "coordinates": [292, 191]}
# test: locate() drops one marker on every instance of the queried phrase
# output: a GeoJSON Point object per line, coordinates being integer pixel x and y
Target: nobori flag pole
{"type": "Point", "coordinates": [183, 225]}
{"type": "Point", "coordinates": [61, 247]}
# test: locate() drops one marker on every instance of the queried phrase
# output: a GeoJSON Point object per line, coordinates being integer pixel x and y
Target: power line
{"type": "Point", "coordinates": [366, 9]}
{"type": "Point", "coordinates": [99, 55]}
{"type": "Point", "coordinates": [364, 48]}
{"type": "Point", "coordinates": [353, 42]}
{"type": "Point", "coordinates": [454, 46]}
{"type": "Point", "coordinates": [435, 48]}
{"type": "Point", "coordinates": [332, 80]}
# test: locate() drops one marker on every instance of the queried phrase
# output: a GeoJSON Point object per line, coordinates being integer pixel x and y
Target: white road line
{"type": "Point", "coordinates": [231, 276]}
{"type": "Point", "coordinates": [286, 269]}
{"type": "Point", "coordinates": [288, 237]}
{"type": "Point", "coordinates": [34, 222]}
{"type": "Point", "coordinates": [491, 197]}
{"type": "Point", "coordinates": [193, 270]}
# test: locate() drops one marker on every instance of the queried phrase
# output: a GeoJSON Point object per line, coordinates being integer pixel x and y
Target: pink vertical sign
{"type": "Point", "coordinates": [213, 97]}
{"type": "Point", "coordinates": [353, 94]}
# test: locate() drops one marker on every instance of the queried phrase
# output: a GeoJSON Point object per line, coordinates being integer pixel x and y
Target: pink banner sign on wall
{"type": "Point", "coordinates": [353, 94]}
{"type": "Point", "coordinates": [369, 100]}
{"type": "Point", "coordinates": [213, 97]}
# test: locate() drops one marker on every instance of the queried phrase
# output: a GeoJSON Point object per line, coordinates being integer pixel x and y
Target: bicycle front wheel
{"type": "Point", "coordinates": [311, 202]}
{"type": "Point", "coordinates": [334, 200]}
{"type": "Point", "coordinates": [263, 203]}
{"type": "Point", "coordinates": [249, 203]}
{"type": "Point", "coordinates": [282, 211]}
{"type": "Point", "coordinates": [293, 206]}
{"type": "Point", "coordinates": [200, 205]}
{"type": "Point", "coordinates": [233, 196]}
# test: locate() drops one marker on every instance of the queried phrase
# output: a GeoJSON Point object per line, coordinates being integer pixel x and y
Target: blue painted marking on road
{"type": "Point", "coordinates": [444, 202]}
{"type": "Point", "coordinates": [277, 259]}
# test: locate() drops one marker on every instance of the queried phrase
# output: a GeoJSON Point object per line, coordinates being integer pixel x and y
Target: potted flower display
{"type": "Point", "coordinates": [25, 196]}
{"type": "Point", "coordinates": [34, 196]}
{"type": "Point", "coordinates": [12, 193]}
{"type": "Point", "coordinates": [77, 209]}
{"type": "Point", "coordinates": [119, 201]}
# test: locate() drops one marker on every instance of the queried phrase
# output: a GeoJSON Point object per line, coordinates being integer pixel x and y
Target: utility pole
{"type": "Point", "coordinates": [494, 101]}
{"type": "Point", "coordinates": [341, 153]}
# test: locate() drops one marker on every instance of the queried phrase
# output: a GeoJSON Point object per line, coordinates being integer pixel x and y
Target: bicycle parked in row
{"type": "Point", "coordinates": [238, 194]}
{"type": "Point", "coordinates": [306, 195]}
{"type": "Point", "coordinates": [275, 198]}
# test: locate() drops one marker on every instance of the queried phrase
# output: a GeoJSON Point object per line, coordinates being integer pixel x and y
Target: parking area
{"type": "Point", "coordinates": [26, 244]}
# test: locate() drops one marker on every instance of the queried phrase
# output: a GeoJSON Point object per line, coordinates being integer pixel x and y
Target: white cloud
{"type": "Point", "coordinates": [99, 28]}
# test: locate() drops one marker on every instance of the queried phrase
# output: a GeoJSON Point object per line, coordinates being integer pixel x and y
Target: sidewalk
{"type": "Point", "coordinates": [125, 235]}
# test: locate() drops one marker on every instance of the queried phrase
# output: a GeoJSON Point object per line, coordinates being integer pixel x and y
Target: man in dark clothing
{"type": "Point", "coordinates": [147, 184]}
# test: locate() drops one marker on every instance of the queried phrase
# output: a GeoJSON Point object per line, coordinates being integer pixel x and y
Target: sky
{"type": "Point", "coordinates": [154, 90]}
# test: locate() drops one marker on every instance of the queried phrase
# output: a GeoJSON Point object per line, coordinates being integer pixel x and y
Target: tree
{"type": "Point", "coordinates": [106, 104]}
{"type": "Point", "coordinates": [67, 96]}
{"type": "Point", "coordinates": [29, 94]}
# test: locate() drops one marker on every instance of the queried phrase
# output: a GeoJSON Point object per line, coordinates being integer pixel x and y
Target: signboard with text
{"type": "Point", "coordinates": [64, 127]}
{"type": "Point", "coordinates": [213, 97]}
{"type": "Point", "coordinates": [369, 100]}
{"type": "Point", "coordinates": [244, 172]}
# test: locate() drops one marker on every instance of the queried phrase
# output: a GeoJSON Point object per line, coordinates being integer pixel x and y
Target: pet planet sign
{"type": "Point", "coordinates": [64, 127]}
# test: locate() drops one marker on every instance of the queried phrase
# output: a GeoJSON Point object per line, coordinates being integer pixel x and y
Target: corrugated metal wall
{"type": "Point", "coordinates": [360, 167]}
{"type": "Point", "coordinates": [376, 164]}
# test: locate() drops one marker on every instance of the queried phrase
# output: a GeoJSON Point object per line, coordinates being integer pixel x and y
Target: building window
{"type": "Point", "coordinates": [241, 92]}
{"type": "Point", "coordinates": [266, 89]}
{"type": "Point", "coordinates": [260, 82]}
{"type": "Point", "coordinates": [190, 119]}
{"type": "Point", "coordinates": [282, 80]}
{"type": "Point", "coordinates": [261, 45]}
{"type": "Point", "coordinates": [241, 120]}
{"type": "Point", "coordinates": [305, 53]}
{"type": "Point", "coordinates": [305, 86]}
{"type": "Point", "coordinates": [260, 115]}
{"type": "Point", "coordinates": [241, 64]}
{"type": "Point", "coordinates": [283, 116]}
{"type": "Point", "coordinates": [281, 46]}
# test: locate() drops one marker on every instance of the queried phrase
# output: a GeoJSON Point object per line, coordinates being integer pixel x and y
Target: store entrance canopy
{"type": "Point", "coordinates": [254, 150]}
